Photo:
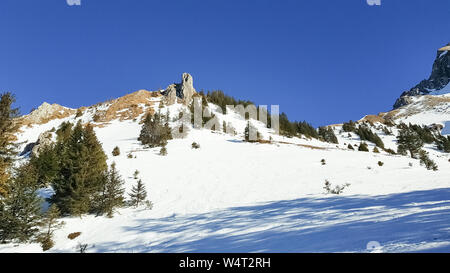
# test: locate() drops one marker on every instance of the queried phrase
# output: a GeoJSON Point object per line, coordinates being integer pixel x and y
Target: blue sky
{"type": "Point", "coordinates": [324, 61]}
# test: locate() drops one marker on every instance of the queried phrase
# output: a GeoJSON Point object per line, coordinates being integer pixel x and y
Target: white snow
{"type": "Point", "coordinates": [232, 196]}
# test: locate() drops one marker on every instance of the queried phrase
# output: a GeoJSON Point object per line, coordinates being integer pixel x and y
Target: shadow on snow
{"type": "Point", "coordinates": [310, 224]}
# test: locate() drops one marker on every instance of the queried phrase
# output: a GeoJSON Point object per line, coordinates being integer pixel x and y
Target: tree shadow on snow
{"type": "Point", "coordinates": [310, 224]}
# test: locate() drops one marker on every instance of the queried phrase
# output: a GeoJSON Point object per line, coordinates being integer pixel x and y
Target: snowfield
{"type": "Point", "coordinates": [232, 196]}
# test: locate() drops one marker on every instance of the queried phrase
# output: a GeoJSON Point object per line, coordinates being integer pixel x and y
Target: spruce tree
{"type": "Point", "coordinates": [112, 193]}
{"type": "Point", "coordinates": [155, 131]}
{"type": "Point", "coordinates": [49, 224]}
{"type": "Point", "coordinates": [138, 194]}
{"type": "Point", "coordinates": [82, 172]}
{"type": "Point", "coordinates": [46, 164]}
{"type": "Point", "coordinates": [7, 147]}
{"type": "Point", "coordinates": [20, 211]}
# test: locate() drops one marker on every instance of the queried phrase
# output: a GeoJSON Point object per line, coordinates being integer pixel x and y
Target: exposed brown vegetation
{"type": "Point", "coordinates": [73, 235]}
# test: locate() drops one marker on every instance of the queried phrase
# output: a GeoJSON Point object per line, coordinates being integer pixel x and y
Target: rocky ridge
{"type": "Point", "coordinates": [438, 80]}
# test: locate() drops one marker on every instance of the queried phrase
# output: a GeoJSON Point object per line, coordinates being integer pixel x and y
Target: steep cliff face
{"type": "Point", "coordinates": [183, 91]}
{"type": "Point", "coordinates": [436, 84]}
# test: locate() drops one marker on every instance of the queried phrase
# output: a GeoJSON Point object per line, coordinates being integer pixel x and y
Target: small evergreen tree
{"type": "Point", "coordinates": [349, 126]}
{"type": "Point", "coordinates": [138, 194]}
{"type": "Point", "coordinates": [365, 133]}
{"type": "Point", "coordinates": [306, 129]}
{"type": "Point", "coordinates": [135, 174]}
{"type": "Point", "coordinates": [116, 151]}
{"type": "Point", "coordinates": [49, 224]}
{"type": "Point", "coordinates": [443, 143]}
{"type": "Point", "coordinates": [425, 160]}
{"type": "Point", "coordinates": [327, 135]}
{"type": "Point", "coordinates": [409, 140]}
{"type": "Point", "coordinates": [363, 147]}
{"type": "Point", "coordinates": [155, 132]}
{"type": "Point", "coordinates": [163, 151]}
{"type": "Point", "coordinates": [350, 147]}
{"type": "Point", "coordinates": [112, 194]}
{"type": "Point", "coordinates": [20, 210]}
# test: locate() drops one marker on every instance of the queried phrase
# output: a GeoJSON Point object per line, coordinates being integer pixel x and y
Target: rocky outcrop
{"type": "Point", "coordinates": [45, 113]}
{"type": "Point", "coordinates": [44, 140]}
{"type": "Point", "coordinates": [440, 78]}
{"type": "Point", "coordinates": [183, 91]}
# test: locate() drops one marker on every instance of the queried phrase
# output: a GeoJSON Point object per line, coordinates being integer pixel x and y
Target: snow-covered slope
{"type": "Point", "coordinates": [233, 196]}
{"type": "Point", "coordinates": [423, 110]}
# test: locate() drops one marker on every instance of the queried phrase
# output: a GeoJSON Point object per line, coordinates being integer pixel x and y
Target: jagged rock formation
{"type": "Point", "coordinates": [128, 107]}
{"type": "Point", "coordinates": [439, 79]}
{"type": "Point", "coordinates": [45, 113]}
{"type": "Point", "coordinates": [183, 91]}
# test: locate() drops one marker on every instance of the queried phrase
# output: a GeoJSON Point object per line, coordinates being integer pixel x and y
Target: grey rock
{"type": "Point", "coordinates": [184, 90]}
{"type": "Point", "coordinates": [43, 141]}
{"type": "Point", "coordinates": [439, 78]}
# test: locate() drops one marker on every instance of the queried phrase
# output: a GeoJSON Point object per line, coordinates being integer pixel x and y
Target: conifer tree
{"type": "Point", "coordinates": [363, 147]}
{"type": "Point", "coordinates": [49, 224]}
{"type": "Point", "coordinates": [20, 211]}
{"type": "Point", "coordinates": [409, 140]}
{"type": "Point", "coordinates": [46, 164]}
{"type": "Point", "coordinates": [155, 132]}
{"type": "Point", "coordinates": [163, 151]}
{"type": "Point", "coordinates": [7, 147]}
{"type": "Point", "coordinates": [327, 134]}
{"type": "Point", "coordinates": [82, 173]}
{"type": "Point", "coordinates": [247, 132]}
{"type": "Point", "coordinates": [425, 160]}
{"type": "Point", "coordinates": [135, 174]}
{"type": "Point", "coordinates": [116, 151]}
{"type": "Point", "coordinates": [138, 194]}
{"type": "Point", "coordinates": [112, 193]}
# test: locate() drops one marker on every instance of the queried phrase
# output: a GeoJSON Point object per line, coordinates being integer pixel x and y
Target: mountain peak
{"type": "Point", "coordinates": [436, 84]}
{"type": "Point", "coordinates": [445, 48]}
{"type": "Point", "coordinates": [46, 112]}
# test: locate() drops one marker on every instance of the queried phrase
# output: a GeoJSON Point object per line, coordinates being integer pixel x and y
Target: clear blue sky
{"type": "Point", "coordinates": [324, 61]}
